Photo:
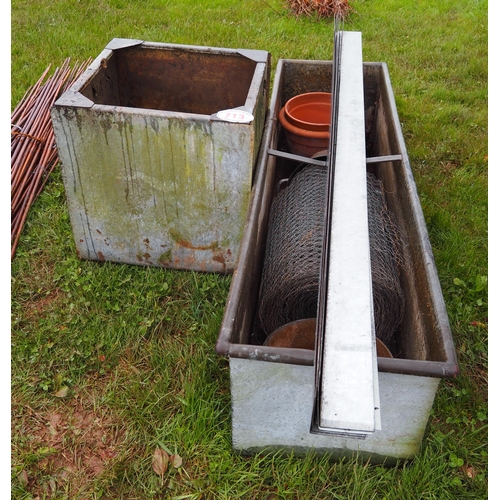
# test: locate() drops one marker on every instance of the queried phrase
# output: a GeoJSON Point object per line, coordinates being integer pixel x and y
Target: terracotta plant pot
{"type": "Point", "coordinates": [305, 119]}
{"type": "Point", "coordinates": [301, 334]}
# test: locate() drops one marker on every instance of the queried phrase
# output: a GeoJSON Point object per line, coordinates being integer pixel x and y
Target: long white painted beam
{"type": "Point", "coordinates": [349, 399]}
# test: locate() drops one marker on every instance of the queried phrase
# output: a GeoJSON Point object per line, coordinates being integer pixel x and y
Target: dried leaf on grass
{"type": "Point", "coordinates": [161, 461]}
{"type": "Point", "coordinates": [23, 478]}
{"type": "Point", "coordinates": [62, 392]}
{"type": "Point", "coordinates": [469, 471]}
{"type": "Point", "coordinates": [176, 461]}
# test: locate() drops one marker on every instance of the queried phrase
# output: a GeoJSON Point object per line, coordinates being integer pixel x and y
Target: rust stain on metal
{"type": "Point", "coordinates": [189, 245]}
{"type": "Point", "coordinates": [186, 263]}
{"type": "Point", "coordinates": [186, 244]}
{"type": "Point", "coordinates": [143, 256]}
{"type": "Point", "coordinates": [141, 67]}
{"type": "Point", "coordinates": [219, 257]}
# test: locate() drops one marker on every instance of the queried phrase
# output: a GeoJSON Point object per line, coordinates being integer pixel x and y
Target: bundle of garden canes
{"type": "Point", "coordinates": [339, 9]}
{"type": "Point", "coordinates": [33, 148]}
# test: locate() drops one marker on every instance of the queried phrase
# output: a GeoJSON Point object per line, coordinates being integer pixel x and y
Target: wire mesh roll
{"type": "Point", "coordinates": [386, 259]}
{"type": "Point", "coordinates": [290, 278]}
{"type": "Point", "coordinates": [289, 286]}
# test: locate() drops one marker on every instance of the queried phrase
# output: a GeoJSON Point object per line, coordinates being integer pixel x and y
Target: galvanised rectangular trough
{"type": "Point", "coordinates": [158, 144]}
{"type": "Point", "coordinates": [273, 388]}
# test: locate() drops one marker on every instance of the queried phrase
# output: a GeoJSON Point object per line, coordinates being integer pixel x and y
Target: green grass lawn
{"type": "Point", "coordinates": [112, 362]}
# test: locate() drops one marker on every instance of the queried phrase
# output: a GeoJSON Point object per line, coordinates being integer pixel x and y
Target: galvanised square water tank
{"type": "Point", "coordinates": [157, 144]}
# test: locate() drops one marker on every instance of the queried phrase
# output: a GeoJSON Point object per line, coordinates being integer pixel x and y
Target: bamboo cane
{"type": "Point", "coordinates": [33, 147]}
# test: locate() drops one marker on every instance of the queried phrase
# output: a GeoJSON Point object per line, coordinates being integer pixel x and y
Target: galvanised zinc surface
{"type": "Point", "coordinates": [158, 187]}
{"type": "Point", "coordinates": [272, 406]}
{"type": "Point", "coordinates": [272, 388]}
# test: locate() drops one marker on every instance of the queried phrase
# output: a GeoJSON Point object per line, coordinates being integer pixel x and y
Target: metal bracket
{"type": "Point", "coordinates": [297, 158]}
{"type": "Point", "coordinates": [313, 161]}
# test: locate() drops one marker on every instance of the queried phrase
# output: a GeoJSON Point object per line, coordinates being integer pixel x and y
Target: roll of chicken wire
{"type": "Point", "coordinates": [290, 278]}
{"type": "Point", "coordinates": [386, 255]}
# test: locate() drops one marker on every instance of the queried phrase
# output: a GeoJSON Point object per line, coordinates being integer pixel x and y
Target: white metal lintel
{"type": "Point", "coordinates": [349, 398]}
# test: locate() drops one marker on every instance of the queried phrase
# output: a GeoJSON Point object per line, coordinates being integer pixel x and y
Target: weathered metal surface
{"type": "Point", "coordinates": [298, 334]}
{"type": "Point", "coordinates": [271, 411]}
{"type": "Point", "coordinates": [301, 334]}
{"type": "Point", "coordinates": [187, 81]}
{"type": "Point", "coordinates": [152, 176]}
